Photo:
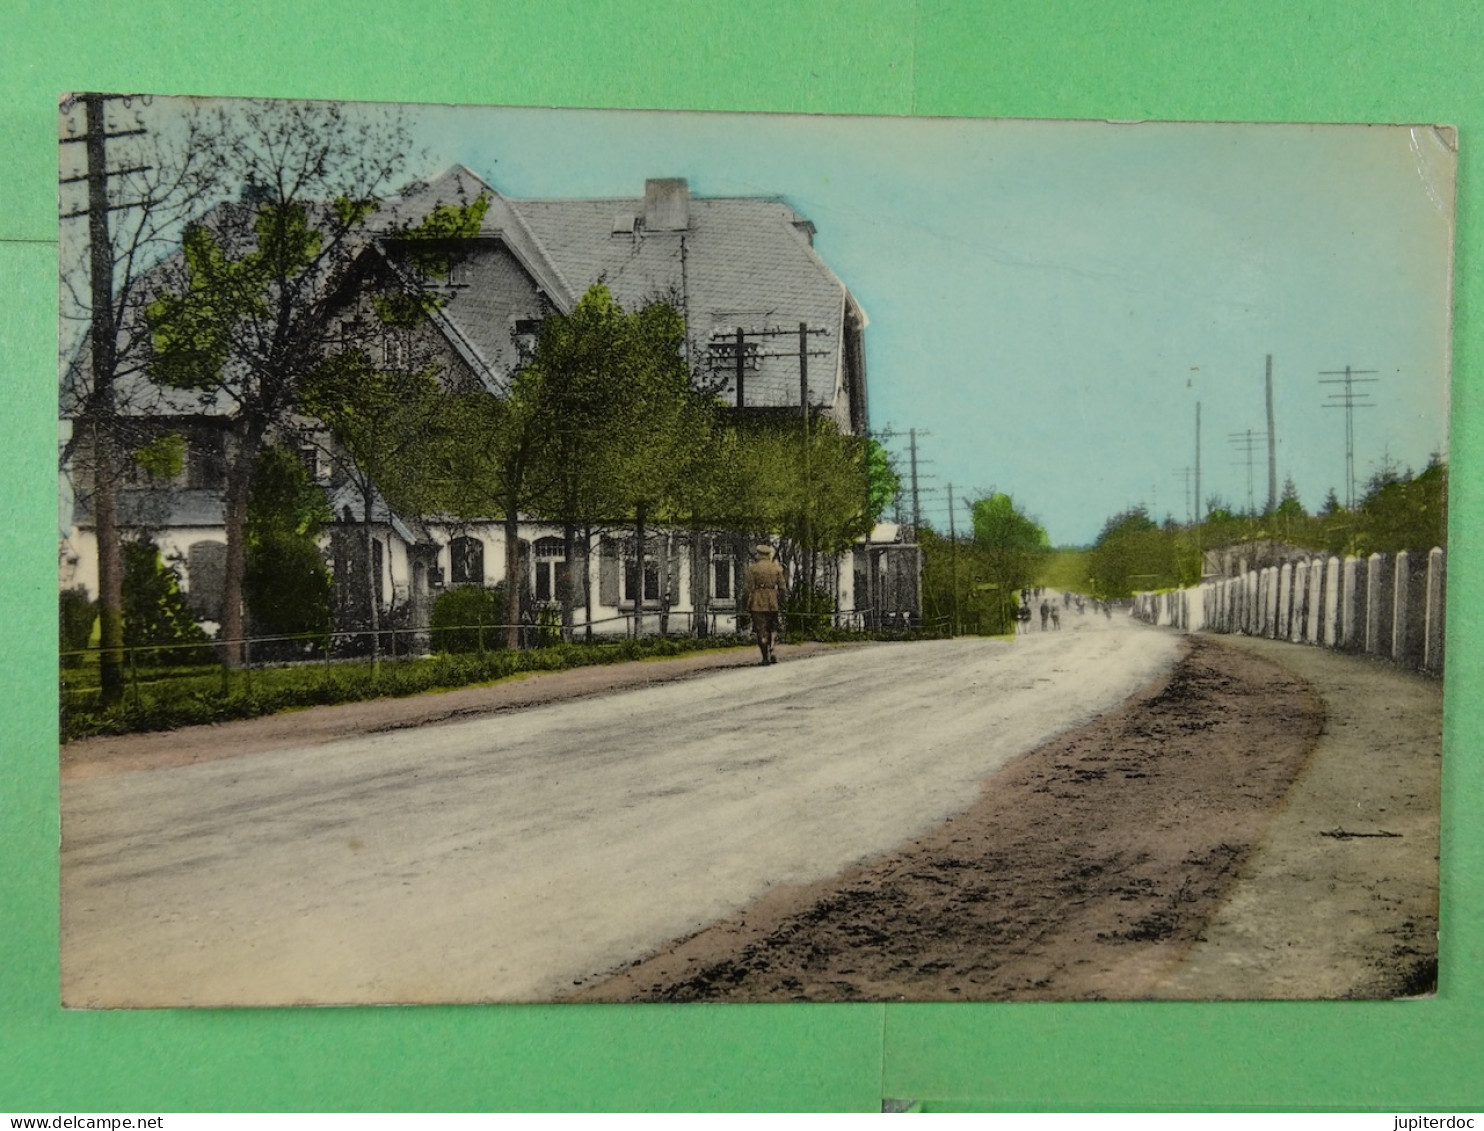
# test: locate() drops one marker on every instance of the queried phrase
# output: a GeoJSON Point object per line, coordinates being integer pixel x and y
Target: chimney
{"type": "Point", "coordinates": [666, 205]}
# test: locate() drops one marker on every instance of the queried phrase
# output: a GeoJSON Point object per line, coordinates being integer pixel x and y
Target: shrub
{"type": "Point", "coordinates": [809, 612]}
{"type": "Point", "coordinates": [155, 612]}
{"type": "Point", "coordinates": [76, 617]}
{"type": "Point", "coordinates": [467, 619]}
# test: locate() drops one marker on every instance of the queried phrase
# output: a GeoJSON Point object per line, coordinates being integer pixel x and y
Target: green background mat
{"type": "Point", "coordinates": [1258, 60]}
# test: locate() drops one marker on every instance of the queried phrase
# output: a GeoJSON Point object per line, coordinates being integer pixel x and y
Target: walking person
{"type": "Point", "coordinates": [762, 594]}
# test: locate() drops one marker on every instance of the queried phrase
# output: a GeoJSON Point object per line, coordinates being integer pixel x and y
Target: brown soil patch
{"type": "Point", "coordinates": [1085, 870]}
{"type": "Point", "coordinates": [93, 757]}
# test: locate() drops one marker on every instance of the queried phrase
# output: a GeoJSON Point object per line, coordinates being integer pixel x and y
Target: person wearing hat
{"type": "Point", "coordinates": [762, 595]}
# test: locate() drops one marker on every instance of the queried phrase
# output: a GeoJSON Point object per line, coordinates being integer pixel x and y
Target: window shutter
{"type": "Point", "coordinates": [577, 575]}
{"type": "Point", "coordinates": [608, 573]}
{"type": "Point", "coordinates": [672, 571]}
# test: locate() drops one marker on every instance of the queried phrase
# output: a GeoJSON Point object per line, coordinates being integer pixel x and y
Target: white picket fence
{"type": "Point", "coordinates": [1387, 605]}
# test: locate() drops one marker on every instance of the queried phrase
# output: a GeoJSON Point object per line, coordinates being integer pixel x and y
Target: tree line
{"type": "Point", "coordinates": [1398, 510]}
{"type": "Point", "coordinates": [973, 582]}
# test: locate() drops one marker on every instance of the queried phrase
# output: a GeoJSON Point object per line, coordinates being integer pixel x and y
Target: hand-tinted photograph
{"type": "Point", "coordinates": [516, 555]}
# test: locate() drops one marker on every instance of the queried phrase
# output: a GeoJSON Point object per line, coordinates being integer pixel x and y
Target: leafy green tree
{"type": "Point", "coordinates": [617, 428]}
{"type": "Point", "coordinates": [286, 584]}
{"type": "Point", "coordinates": [813, 489]}
{"type": "Point", "coordinates": [884, 482]}
{"type": "Point", "coordinates": [1011, 550]}
{"type": "Point", "coordinates": [1132, 553]}
{"type": "Point", "coordinates": [461, 615]}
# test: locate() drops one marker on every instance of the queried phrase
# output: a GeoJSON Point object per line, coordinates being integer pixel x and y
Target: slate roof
{"type": "Point", "coordinates": [744, 262]}
{"type": "Point", "coordinates": [740, 262]}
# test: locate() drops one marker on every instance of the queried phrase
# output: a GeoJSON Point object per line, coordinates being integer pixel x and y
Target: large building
{"type": "Point", "coordinates": [768, 325]}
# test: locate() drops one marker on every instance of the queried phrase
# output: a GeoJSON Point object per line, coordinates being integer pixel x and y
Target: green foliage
{"type": "Point", "coordinates": [1289, 507]}
{"type": "Point", "coordinates": [191, 331]}
{"type": "Point", "coordinates": [1133, 553]}
{"type": "Point", "coordinates": [403, 309]}
{"type": "Point", "coordinates": [353, 213]}
{"type": "Point", "coordinates": [1399, 511]}
{"type": "Point", "coordinates": [885, 484]}
{"type": "Point", "coordinates": [1403, 512]}
{"type": "Point", "coordinates": [185, 700]}
{"type": "Point", "coordinates": [959, 580]}
{"type": "Point", "coordinates": [1066, 570]}
{"type": "Point", "coordinates": [163, 457]}
{"type": "Point", "coordinates": [77, 615]}
{"type": "Point", "coordinates": [467, 619]}
{"type": "Point", "coordinates": [386, 419]}
{"type": "Point", "coordinates": [1011, 545]}
{"type": "Point", "coordinates": [610, 411]}
{"type": "Point", "coordinates": [287, 585]}
{"type": "Point", "coordinates": [433, 245]}
{"type": "Point", "coordinates": [808, 612]}
{"type": "Point", "coordinates": [155, 612]}
{"type": "Point", "coordinates": [770, 475]}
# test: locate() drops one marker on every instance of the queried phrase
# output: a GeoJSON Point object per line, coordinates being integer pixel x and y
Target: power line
{"type": "Point", "coordinates": [1349, 400]}
{"type": "Point", "coordinates": [1248, 442]}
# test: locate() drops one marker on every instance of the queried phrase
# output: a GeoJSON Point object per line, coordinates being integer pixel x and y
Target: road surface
{"type": "Point", "coordinates": [514, 857]}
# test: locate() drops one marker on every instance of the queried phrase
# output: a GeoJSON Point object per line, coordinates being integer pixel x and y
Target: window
{"type": "Point", "coordinates": [524, 334]}
{"type": "Point", "coordinates": [466, 561]}
{"type": "Point", "coordinates": [206, 570]}
{"type": "Point", "coordinates": [723, 571]}
{"type": "Point", "coordinates": [394, 349]}
{"type": "Point", "coordinates": [205, 465]}
{"type": "Point", "coordinates": [651, 579]}
{"type": "Point", "coordinates": [309, 457]}
{"type": "Point", "coordinates": [550, 556]}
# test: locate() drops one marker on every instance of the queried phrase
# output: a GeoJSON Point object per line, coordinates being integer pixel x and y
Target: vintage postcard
{"type": "Point", "coordinates": [515, 555]}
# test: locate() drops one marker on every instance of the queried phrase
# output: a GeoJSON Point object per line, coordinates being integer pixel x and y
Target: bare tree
{"type": "Point", "coordinates": [265, 282]}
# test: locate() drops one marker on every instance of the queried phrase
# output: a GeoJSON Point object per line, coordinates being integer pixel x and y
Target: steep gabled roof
{"type": "Point", "coordinates": [459, 186]}
{"type": "Point", "coordinates": [738, 262]}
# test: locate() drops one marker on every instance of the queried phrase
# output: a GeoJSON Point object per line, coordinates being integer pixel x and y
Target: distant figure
{"type": "Point", "coordinates": [1045, 614]}
{"type": "Point", "coordinates": [1055, 618]}
{"type": "Point", "coordinates": [1023, 616]}
{"type": "Point", "coordinates": [762, 594]}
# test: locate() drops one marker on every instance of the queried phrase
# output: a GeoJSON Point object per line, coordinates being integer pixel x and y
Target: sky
{"type": "Point", "coordinates": [1049, 301]}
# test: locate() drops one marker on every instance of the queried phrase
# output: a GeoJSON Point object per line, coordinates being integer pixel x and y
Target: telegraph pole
{"type": "Point", "coordinates": [1272, 444]}
{"type": "Point", "coordinates": [916, 500]}
{"type": "Point", "coordinates": [1247, 442]}
{"type": "Point", "coordinates": [953, 557]}
{"type": "Point", "coordinates": [1349, 400]}
{"type": "Point", "coordinates": [1199, 502]}
{"type": "Point", "coordinates": [1183, 474]}
{"type": "Point", "coordinates": [741, 349]}
{"type": "Point", "coordinates": [101, 406]}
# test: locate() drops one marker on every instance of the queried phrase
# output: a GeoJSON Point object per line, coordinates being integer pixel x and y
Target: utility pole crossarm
{"type": "Point", "coordinates": [1349, 400]}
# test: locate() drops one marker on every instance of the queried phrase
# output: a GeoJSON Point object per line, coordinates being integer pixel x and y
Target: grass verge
{"type": "Point", "coordinates": [214, 695]}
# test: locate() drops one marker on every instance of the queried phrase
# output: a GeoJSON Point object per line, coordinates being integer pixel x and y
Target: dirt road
{"type": "Point", "coordinates": [517, 856]}
{"type": "Point", "coordinates": [1262, 823]}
